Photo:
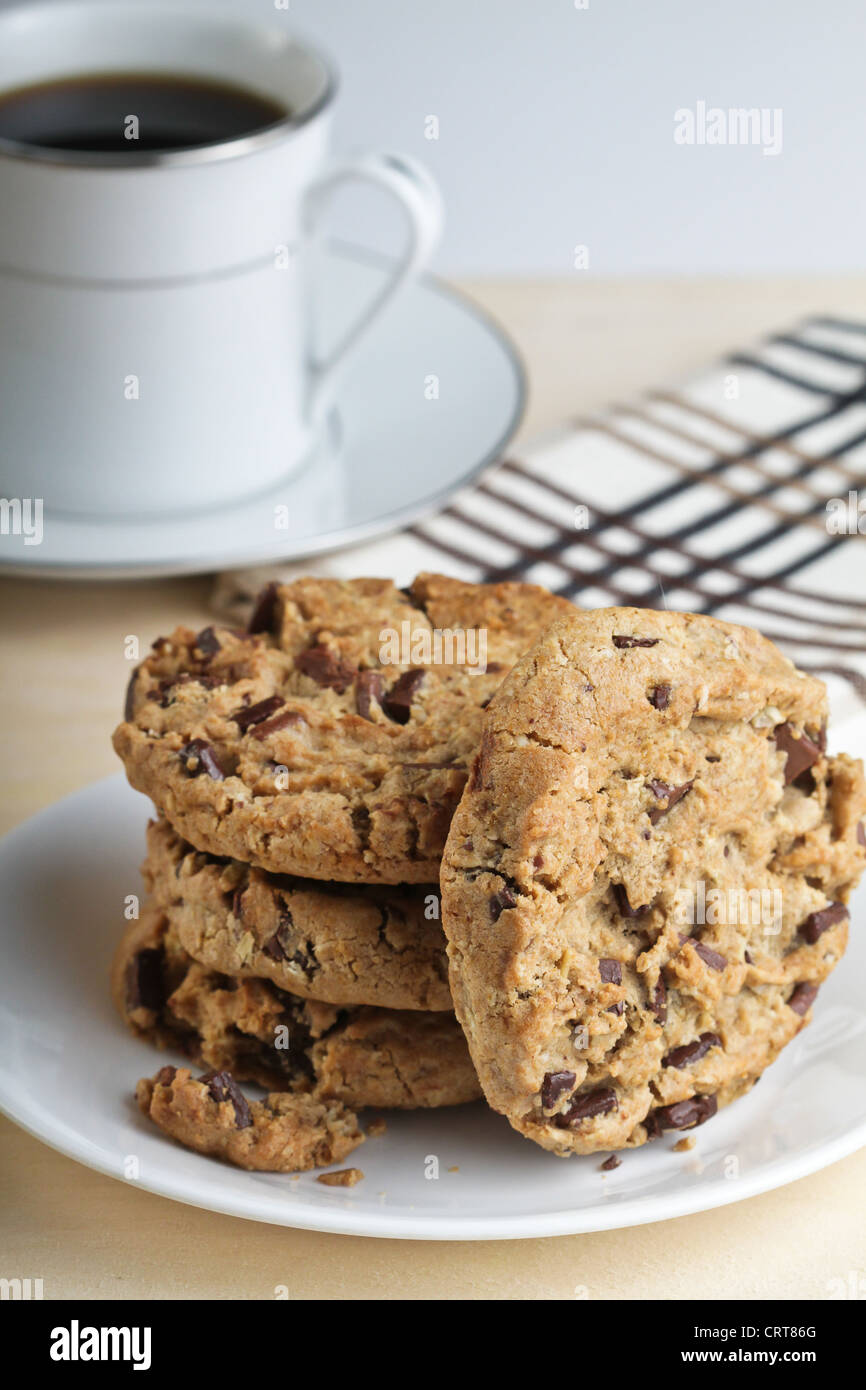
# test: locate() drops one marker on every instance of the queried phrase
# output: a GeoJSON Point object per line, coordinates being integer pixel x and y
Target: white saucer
{"type": "Point", "coordinates": [68, 1068]}
{"type": "Point", "coordinates": [390, 455]}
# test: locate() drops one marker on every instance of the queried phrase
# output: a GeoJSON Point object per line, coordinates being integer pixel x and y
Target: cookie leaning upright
{"type": "Point", "coordinates": [328, 741]}
{"type": "Point", "coordinates": [644, 882]}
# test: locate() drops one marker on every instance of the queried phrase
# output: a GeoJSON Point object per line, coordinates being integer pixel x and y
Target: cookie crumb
{"type": "Point", "coordinates": [611, 1163]}
{"type": "Point", "coordinates": [683, 1145]}
{"type": "Point", "coordinates": [345, 1177]}
{"type": "Point", "coordinates": [376, 1127]}
{"type": "Point", "coordinates": [455, 1169]}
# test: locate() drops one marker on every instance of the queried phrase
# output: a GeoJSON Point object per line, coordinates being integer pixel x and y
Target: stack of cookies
{"type": "Point", "coordinates": [644, 851]}
{"type": "Point", "coordinates": [305, 772]}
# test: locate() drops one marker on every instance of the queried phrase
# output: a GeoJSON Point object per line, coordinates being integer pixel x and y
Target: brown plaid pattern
{"type": "Point", "coordinates": [711, 498]}
{"type": "Point", "coordinates": [676, 517]}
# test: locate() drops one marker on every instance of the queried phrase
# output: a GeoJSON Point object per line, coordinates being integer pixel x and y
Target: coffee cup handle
{"type": "Point", "coordinates": [415, 191]}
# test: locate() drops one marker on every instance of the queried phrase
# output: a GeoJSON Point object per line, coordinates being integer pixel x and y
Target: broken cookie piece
{"type": "Point", "coordinates": [344, 1177]}
{"type": "Point", "coordinates": [288, 1132]}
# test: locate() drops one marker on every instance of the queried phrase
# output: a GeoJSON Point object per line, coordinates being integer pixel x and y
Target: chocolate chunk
{"type": "Point", "coordinates": [207, 642]}
{"type": "Point", "coordinates": [803, 998]}
{"type": "Point", "coordinates": [861, 834]}
{"type": "Point", "coordinates": [238, 905]}
{"type": "Point", "coordinates": [554, 1085]}
{"type": "Point", "coordinates": [683, 1114]}
{"type": "Point", "coordinates": [623, 642]}
{"type": "Point", "coordinates": [144, 982]}
{"type": "Point", "coordinates": [264, 614]}
{"type": "Point", "coordinates": [200, 757]}
{"type": "Point", "coordinates": [670, 795]}
{"type": "Point", "coordinates": [222, 1086]}
{"type": "Point", "coordinates": [506, 897]}
{"type": "Point", "coordinates": [277, 946]}
{"type": "Point", "coordinates": [610, 971]}
{"type": "Point", "coordinates": [747, 957]}
{"type": "Point", "coordinates": [623, 906]}
{"type": "Point", "coordinates": [305, 960]}
{"type": "Point", "coordinates": [680, 1057]}
{"type": "Point", "coordinates": [248, 715]}
{"type": "Point", "coordinates": [617, 1009]}
{"type": "Point", "coordinates": [818, 922]}
{"type": "Point", "coordinates": [611, 1163]}
{"type": "Point", "coordinates": [129, 702]}
{"type": "Point", "coordinates": [801, 752]}
{"type": "Point", "coordinates": [368, 691]}
{"type": "Point", "coordinates": [279, 721]}
{"type": "Point", "coordinates": [658, 1004]}
{"type": "Point", "coordinates": [660, 698]}
{"type": "Point", "coordinates": [585, 1106]}
{"type": "Point", "coordinates": [165, 1076]}
{"type": "Point", "coordinates": [326, 668]}
{"type": "Point", "coordinates": [397, 704]}
{"type": "Point", "coordinates": [709, 956]}
{"type": "Point", "coordinates": [274, 947]}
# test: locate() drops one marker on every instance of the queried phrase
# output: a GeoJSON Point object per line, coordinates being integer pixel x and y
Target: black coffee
{"type": "Point", "coordinates": [129, 112]}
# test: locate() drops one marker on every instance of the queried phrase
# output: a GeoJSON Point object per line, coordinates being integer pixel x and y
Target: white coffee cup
{"type": "Point", "coordinates": [156, 345]}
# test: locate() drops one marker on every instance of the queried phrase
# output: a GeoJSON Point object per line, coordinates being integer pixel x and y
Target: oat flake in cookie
{"type": "Point", "coordinates": [645, 882]}
{"type": "Point", "coordinates": [296, 748]}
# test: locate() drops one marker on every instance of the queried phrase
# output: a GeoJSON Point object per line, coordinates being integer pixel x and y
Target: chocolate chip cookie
{"type": "Point", "coordinates": [337, 943]}
{"type": "Point", "coordinates": [382, 1058]}
{"type": "Point", "coordinates": [332, 739]}
{"type": "Point", "coordinates": [285, 1133]}
{"type": "Point", "coordinates": [645, 882]}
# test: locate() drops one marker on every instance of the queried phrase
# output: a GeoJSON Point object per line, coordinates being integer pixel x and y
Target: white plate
{"type": "Point", "coordinates": [390, 455]}
{"type": "Point", "coordinates": [68, 1068]}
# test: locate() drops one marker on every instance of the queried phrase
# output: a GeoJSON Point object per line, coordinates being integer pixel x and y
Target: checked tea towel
{"type": "Point", "coordinates": [741, 493]}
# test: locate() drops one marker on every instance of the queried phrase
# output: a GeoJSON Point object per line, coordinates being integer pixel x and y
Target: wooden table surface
{"type": "Point", "coordinates": [585, 342]}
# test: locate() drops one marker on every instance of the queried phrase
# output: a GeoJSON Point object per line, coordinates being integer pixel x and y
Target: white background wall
{"type": "Point", "coordinates": [556, 126]}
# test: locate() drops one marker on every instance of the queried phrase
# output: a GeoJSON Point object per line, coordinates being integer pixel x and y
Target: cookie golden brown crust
{"type": "Point", "coordinates": [296, 748]}
{"type": "Point", "coordinates": [363, 1057]}
{"type": "Point", "coordinates": [645, 881]}
{"type": "Point", "coordinates": [338, 943]}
